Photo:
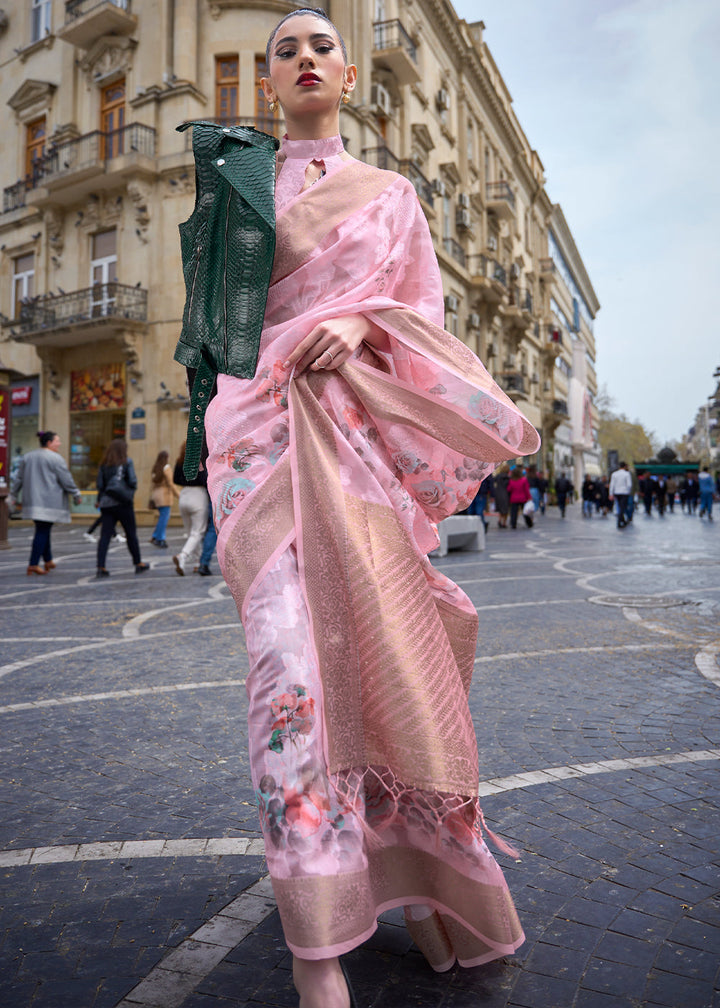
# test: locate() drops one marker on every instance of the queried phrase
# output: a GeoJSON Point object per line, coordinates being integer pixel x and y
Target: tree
{"type": "Point", "coordinates": [616, 433]}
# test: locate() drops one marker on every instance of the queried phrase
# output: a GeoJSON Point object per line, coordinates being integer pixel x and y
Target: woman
{"type": "Point", "coordinates": [502, 498]}
{"type": "Point", "coordinates": [519, 494]}
{"type": "Point", "coordinates": [163, 491]}
{"type": "Point", "coordinates": [194, 513]}
{"type": "Point", "coordinates": [327, 470]}
{"type": "Point", "coordinates": [46, 483]}
{"type": "Point", "coordinates": [116, 484]}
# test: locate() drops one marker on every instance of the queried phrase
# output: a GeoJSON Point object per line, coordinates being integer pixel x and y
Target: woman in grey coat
{"type": "Point", "coordinates": [46, 483]}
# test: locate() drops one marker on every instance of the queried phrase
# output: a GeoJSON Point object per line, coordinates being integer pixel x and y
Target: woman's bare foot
{"type": "Point", "coordinates": [320, 983]}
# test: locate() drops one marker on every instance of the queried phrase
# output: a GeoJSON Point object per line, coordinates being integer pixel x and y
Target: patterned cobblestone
{"type": "Point", "coordinates": [131, 865]}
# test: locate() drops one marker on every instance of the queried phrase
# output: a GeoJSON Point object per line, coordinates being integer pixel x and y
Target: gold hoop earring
{"type": "Point", "coordinates": [345, 97]}
{"type": "Point", "coordinates": [271, 106]}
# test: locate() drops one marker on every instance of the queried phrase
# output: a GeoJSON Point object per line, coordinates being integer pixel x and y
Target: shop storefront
{"type": "Point", "coordinates": [97, 415]}
{"type": "Point", "coordinates": [25, 402]}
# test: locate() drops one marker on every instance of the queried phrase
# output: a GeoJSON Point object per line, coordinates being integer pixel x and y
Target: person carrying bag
{"type": "Point", "coordinates": [116, 485]}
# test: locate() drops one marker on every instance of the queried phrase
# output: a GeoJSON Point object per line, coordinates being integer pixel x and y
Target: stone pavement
{"type": "Point", "coordinates": [131, 863]}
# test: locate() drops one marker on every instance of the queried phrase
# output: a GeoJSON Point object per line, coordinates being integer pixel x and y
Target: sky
{"type": "Point", "coordinates": [621, 100]}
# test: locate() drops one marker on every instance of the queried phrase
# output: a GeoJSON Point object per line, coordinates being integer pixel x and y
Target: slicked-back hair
{"type": "Point", "coordinates": [316, 12]}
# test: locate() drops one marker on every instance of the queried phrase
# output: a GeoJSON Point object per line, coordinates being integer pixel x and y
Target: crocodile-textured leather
{"type": "Point", "coordinates": [227, 246]}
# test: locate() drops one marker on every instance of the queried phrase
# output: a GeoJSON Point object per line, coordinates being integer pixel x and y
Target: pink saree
{"type": "Point", "coordinates": [326, 487]}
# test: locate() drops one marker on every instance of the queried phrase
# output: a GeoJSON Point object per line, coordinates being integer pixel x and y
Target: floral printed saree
{"type": "Point", "coordinates": [326, 486]}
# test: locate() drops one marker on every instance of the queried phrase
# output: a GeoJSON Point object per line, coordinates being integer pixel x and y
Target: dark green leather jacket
{"type": "Point", "coordinates": [227, 246]}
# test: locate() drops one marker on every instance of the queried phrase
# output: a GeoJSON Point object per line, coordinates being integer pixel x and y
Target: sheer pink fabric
{"type": "Point", "coordinates": [325, 487]}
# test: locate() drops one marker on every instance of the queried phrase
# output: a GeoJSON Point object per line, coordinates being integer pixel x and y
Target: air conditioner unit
{"type": "Point", "coordinates": [473, 320]}
{"type": "Point", "coordinates": [523, 369]}
{"type": "Point", "coordinates": [380, 99]}
{"type": "Point", "coordinates": [463, 219]}
{"type": "Point", "coordinates": [451, 303]}
{"type": "Point", "coordinates": [464, 200]}
{"type": "Point", "coordinates": [442, 99]}
{"type": "Point", "coordinates": [439, 188]}
{"type": "Point", "coordinates": [535, 378]}
{"type": "Point", "coordinates": [546, 386]}
{"type": "Point", "coordinates": [492, 349]}
{"type": "Point", "coordinates": [515, 271]}
{"type": "Point", "coordinates": [492, 243]}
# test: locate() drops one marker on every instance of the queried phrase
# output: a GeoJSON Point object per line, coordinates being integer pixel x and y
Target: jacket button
{"type": "Point", "coordinates": [220, 161]}
{"type": "Point", "coordinates": [204, 381]}
{"type": "Point", "coordinates": [201, 395]}
{"type": "Point", "coordinates": [226, 129]}
{"type": "Point", "coordinates": [196, 430]}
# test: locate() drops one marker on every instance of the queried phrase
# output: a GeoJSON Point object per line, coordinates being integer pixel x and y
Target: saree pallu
{"type": "Point", "coordinates": [326, 487]}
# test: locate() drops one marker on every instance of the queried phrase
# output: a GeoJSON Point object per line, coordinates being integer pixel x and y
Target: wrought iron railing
{"type": "Point", "coordinates": [521, 298]}
{"type": "Point", "coordinates": [381, 157]}
{"type": "Point", "coordinates": [421, 185]}
{"type": "Point", "coordinates": [500, 192]}
{"type": "Point", "coordinates": [481, 265]}
{"type": "Point", "coordinates": [14, 195]}
{"type": "Point", "coordinates": [102, 301]}
{"type": "Point", "coordinates": [455, 249]}
{"type": "Point", "coordinates": [95, 148]}
{"type": "Point", "coordinates": [76, 8]}
{"type": "Point", "coordinates": [392, 35]}
{"type": "Point", "coordinates": [512, 381]}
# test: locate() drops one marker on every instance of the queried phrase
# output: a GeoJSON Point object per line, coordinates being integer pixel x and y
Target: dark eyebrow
{"type": "Point", "coordinates": [313, 38]}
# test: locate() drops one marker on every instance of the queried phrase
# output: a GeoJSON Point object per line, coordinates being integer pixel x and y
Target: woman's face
{"type": "Point", "coordinates": [54, 445]}
{"type": "Point", "coordinates": [307, 68]}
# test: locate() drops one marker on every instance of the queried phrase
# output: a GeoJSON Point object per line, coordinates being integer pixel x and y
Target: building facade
{"type": "Point", "coordinates": [96, 180]}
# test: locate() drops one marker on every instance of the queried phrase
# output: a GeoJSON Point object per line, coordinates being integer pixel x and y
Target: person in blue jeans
{"type": "Point", "coordinates": [705, 484]}
{"type": "Point", "coordinates": [163, 491]}
{"type": "Point", "coordinates": [208, 546]}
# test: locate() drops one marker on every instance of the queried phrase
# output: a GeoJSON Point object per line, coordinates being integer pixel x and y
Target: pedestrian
{"type": "Point", "coordinates": [533, 478]}
{"type": "Point", "coordinates": [563, 490]}
{"type": "Point", "coordinates": [692, 493]}
{"type": "Point", "coordinates": [661, 494]}
{"type": "Point", "coordinates": [602, 496]}
{"type": "Point", "coordinates": [327, 468]}
{"type": "Point", "coordinates": [705, 490]}
{"type": "Point", "coordinates": [647, 490]}
{"type": "Point", "coordinates": [89, 533]}
{"type": "Point", "coordinates": [193, 511]}
{"type": "Point", "coordinates": [542, 485]}
{"type": "Point", "coordinates": [589, 496]}
{"type": "Point", "coordinates": [208, 544]}
{"type": "Point", "coordinates": [161, 496]}
{"type": "Point", "coordinates": [519, 494]}
{"type": "Point", "coordinates": [46, 484]}
{"type": "Point", "coordinates": [672, 486]}
{"type": "Point", "coordinates": [502, 496]}
{"type": "Point", "coordinates": [116, 485]}
{"type": "Point", "coordinates": [620, 490]}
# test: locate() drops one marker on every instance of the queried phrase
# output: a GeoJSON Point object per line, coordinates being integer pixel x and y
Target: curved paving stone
{"type": "Point", "coordinates": [125, 808]}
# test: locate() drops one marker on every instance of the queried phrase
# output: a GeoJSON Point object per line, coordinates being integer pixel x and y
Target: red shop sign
{"type": "Point", "coordinates": [21, 395]}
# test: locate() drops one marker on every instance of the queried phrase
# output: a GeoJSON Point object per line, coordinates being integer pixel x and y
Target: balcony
{"type": "Point", "coordinates": [394, 50]}
{"type": "Point", "coordinates": [14, 195]}
{"type": "Point", "coordinates": [513, 382]}
{"type": "Point", "coordinates": [455, 250]}
{"type": "Point", "coordinates": [105, 158]}
{"type": "Point", "coordinates": [560, 408]}
{"type": "Point", "coordinates": [488, 277]}
{"type": "Point", "coordinates": [421, 185]}
{"type": "Point", "coordinates": [83, 316]}
{"type": "Point", "coordinates": [518, 312]}
{"type": "Point", "coordinates": [500, 199]}
{"type": "Point", "coordinates": [381, 157]}
{"type": "Point", "coordinates": [553, 342]}
{"type": "Point", "coordinates": [547, 267]}
{"type": "Point", "coordinates": [88, 20]}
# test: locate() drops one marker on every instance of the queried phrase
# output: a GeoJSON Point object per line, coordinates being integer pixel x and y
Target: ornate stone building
{"type": "Point", "coordinates": [96, 179]}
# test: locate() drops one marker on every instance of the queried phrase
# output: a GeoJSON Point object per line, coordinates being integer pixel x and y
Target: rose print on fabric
{"type": "Point", "coordinates": [239, 455]}
{"type": "Point", "coordinates": [407, 462]}
{"type": "Point", "coordinates": [484, 407]}
{"type": "Point", "coordinates": [273, 385]}
{"type": "Point", "coordinates": [294, 714]}
{"type": "Point", "coordinates": [232, 492]}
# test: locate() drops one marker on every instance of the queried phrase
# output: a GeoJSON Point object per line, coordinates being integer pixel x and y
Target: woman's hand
{"type": "Point", "coordinates": [333, 342]}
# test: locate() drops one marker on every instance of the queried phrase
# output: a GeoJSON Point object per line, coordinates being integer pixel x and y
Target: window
{"type": "Point", "coordinates": [23, 281]}
{"type": "Point", "coordinates": [103, 272]}
{"type": "Point", "coordinates": [264, 118]}
{"type": "Point", "coordinates": [41, 10]}
{"type": "Point", "coordinates": [470, 142]}
{"type": "Point", "coordinates": [112, 119]}
{"type": "Point", "coordinates": [447, 217]}
{"type": "Point", "coordinates": [226, 87]}
{"type": "Point", "coordinates": [35, 133]}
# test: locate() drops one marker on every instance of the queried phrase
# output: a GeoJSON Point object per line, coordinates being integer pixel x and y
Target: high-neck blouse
{"type": "Point", "coordinates": [294, 158]}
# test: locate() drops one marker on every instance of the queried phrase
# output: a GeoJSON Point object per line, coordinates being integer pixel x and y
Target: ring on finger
{"type": "Point", "coordinates": [319, 359]}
